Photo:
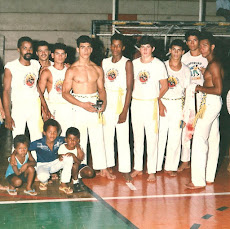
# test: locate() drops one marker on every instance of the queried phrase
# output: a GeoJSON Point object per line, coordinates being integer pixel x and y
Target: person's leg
{"type": "Point", "coordinates": [43, 174]}
{"type": "Point", "coordinates": [14, 182]}
{"type": "Point", "coordinates": [138, 136]}
{"type": "Point", "coordinates": [29, 173]}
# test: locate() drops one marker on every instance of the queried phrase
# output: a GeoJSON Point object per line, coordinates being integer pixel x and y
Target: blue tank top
{"type": "Point", "coordinates": [10, 170]}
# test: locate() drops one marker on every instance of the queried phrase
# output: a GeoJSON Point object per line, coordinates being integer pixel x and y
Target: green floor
{"type": "Point", "coordinates": [59, 215]}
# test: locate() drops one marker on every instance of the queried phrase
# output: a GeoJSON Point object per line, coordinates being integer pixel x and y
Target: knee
{"type": "Point", "coordinates": [68, 161]}
{"type": "Point", "coordinates": [30, 169]}
{"type": "Point", "coordinates": [17, 182]}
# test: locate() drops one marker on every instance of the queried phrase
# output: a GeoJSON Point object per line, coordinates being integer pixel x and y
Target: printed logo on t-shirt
{"type": "Point", "coordinates": [58, 86]}
{"type": "Point", "coordinates": [112, 74]}
{"type": "Point", "coordinates": [172, 82]}
{"type": "Point", "coordinates": [30, 79]}
{"type": "Point", "coordinates": [195, 70]}
{"type": "Point", "coordinates": [143, 76]}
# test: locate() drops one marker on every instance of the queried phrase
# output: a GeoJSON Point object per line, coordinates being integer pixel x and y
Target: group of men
{"type": "Point", "coordinates": [96, 100]}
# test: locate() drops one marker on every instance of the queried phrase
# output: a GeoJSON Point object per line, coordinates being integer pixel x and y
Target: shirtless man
{"type": "Point", "coordinates": [204, 160]}
{"type": "Point", "coordinates": [86, 80]}
{"type": "Point", "coordinates": [197, 64]}
{"type": "Point", "coordinates": [51, 79]}
{"type": "Point", "coordinates": [20, 88]}
{"type": "Point", "coordinates": [150, 84]}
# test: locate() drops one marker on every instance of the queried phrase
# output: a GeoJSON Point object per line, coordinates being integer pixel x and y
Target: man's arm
{"type": "Point", "coordinates": [67, 86]}
{"type": "Point", "coordinates": [163, 89]}
{"type": "Point", "coordinates": [129, 83]}
{"type": "Point", "coordinates": [101, 88]}
{"type": "Point", "coordinates": [9, 122]}
{"type": "Point", "coordinates": [216, 72]}
{"type": "Point", "coordinates": [2, 112]}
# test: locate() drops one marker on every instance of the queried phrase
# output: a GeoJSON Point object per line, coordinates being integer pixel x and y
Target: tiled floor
{"type": "Point", "coordinates": [165, 204]}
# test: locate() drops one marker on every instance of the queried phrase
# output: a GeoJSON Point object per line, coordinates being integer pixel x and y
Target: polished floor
{"type": "Point", "coordinates": [164, 204]}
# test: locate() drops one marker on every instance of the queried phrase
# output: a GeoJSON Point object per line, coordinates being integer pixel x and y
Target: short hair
{"type": "Point", "coordinates": [84, 39]}
{"type": "Point", "coordinates": [21, 139]}
{"type": "Point", "coordinates": [74, 131]}
{"type": "Point", "coordinates": [43, 43]}
{"type": "Point", "coordinates": [23, 39]}
{"type": "Point", "coordinates": [208, 36]}
{"type": "Point", "coordinates": [118, 37]}
{"type": "Point", "coordinates": [147, 40]}
{"type": "Point", "coordinates": [59, 46]}
{"type": "Point", "coordinates": [51, 122]}
{"type": "Point", "coordinates": [192, 32]}
{"type": "Point", "coordinates": [177, 42]}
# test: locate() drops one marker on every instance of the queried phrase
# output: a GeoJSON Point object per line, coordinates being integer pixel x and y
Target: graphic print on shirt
{"type": "Point", "coordinates": [112, 74]}
{"type": "Point", "coordinates": [195, 70]}
{"type": "Point", "coordinates": [30, 79]}
{"type": "Point", "coordinates": [172, 82]}
{"type": "Point", "coordinates": [58, 86]}
{"type": "Point", "coordinates": [143, 76]}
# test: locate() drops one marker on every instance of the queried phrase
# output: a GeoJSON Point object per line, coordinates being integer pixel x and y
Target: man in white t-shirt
{"type": "Point", "coordinates": [197, 64]}
{"type": "Point", "coordinates": [21, 91]}
{"type": "Point", "coordinates": [51, 79]}
{"type": "Point", "coordinates": [150, 84]}
{"type": "Point", "coordinates": [170, 128]}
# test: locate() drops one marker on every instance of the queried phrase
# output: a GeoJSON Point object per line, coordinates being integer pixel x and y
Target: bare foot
{"type": "Point", "coordinates": [166, 171]}
{"type": "Point", "coordinates": [127, 177]}
{"type": "Point", "coordinates": [192, 186]}
{"type": "Point", "coordinates": [3, 187]}
{"type": "Point", "coordinates": [136, 173]}
{"type": "Point", "coordinates": [228, 167]}
{"type": "Point", "coordinates": [209, 182]}
{"type": "Point", "coordinates": [183, 166]}
{"type": "Point", "coordinates": [106, 173]}
{"type": "Point", "coordinates": [152, 177]}
{"type": "Point", "coordinates": [172, 173]}
{"type": "Point", "coordinates": [110, 170]}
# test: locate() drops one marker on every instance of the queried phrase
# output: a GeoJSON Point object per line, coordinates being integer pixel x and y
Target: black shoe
{"type": "Point", "coordinates": [79, 187]}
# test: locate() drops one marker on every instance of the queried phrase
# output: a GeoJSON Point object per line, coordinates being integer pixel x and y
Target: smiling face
{"type": "Point", "coordinates": [43, 53]}
{"type": "Point", "coordinates": [51, 133]}
{"type": "Point", "coordinates": [26, 50]}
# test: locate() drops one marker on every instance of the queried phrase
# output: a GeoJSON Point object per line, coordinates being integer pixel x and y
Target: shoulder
{"type": "Point", "coordinates": [11, 63]}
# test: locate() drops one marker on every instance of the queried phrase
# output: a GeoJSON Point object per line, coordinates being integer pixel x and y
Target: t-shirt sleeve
{"type": "Point", "coordinates": [33, 146]}
{"type": "Point", "coordinates": [162, 72]}
{"type": "Point", "coordinates": [8, 65]}
{"type": "Point", "coordinates": [61, 150]}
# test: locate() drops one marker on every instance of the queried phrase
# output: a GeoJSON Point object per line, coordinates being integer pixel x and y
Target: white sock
{"type": "Point", "coordinates": [75, 181]}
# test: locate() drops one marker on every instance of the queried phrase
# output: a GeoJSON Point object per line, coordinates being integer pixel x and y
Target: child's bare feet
{"type": "Point", "coordinates": [192, 186]}
{"type": "Point", "coordinates": [127, 177]}
{"type": "Point", "coordinates": [152, 177]}
{"type": "Point", "coordinates": [110, 170]}
{"type": "Point", "coordinates": [136, 173]}
{"type": "Point", "coordinates": [172, 173]}
{"type": "Point", "coordinates": [106, 173]}
{"type": "Point", "coordinates": [183, 166]}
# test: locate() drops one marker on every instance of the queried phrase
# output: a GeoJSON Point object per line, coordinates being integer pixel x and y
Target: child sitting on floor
{"type": "Point", "coordinates": [47, 158]}
{"type": "Point", "coordinates": [21, 167]}
{"type": "Point", "coordinates": [72, 149]}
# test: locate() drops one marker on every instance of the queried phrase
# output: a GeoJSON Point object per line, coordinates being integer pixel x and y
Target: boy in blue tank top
{"type": "Point", "coordinates": [21, 167]}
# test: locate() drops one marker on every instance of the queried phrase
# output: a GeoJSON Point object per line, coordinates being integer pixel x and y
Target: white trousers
{"type": "Point", "coordinates": [88, 125]}
{"type": "Point", "coordinates": [143, 124]}
{"type": "Point", "coordinates": [170, 128]}
{"type": "Point", "coordinates": [205, 155]}
{"type": "Point", "coordinates": [122, 132]}
{"type": "Point", "coordinates": [23, 113]}
{"type": "Point", "coordinates": [63, 113]}
{"type": "Point", "coordinates": [44, 169]}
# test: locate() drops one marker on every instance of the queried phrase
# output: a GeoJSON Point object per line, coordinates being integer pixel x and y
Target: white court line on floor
{"type": "Point", "coordinates": [118, 198]}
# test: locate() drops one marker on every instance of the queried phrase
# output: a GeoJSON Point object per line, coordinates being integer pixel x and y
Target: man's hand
{"type": "Point", "coordinates": [162, 109]}
{"type": "Point", "coordinates": [24, 167]}
{"type": "Point", "coordinates": [80, 153]}
{"type": "Point", "coordinates": [46, 113]}
{"type": "Point", "coordinates": [9, 123]}
{"type": "Point", "coordinates": [89, 107]}
{"type": "Point", "coordinates": [122, 117]}
{"type": "Point", "coordinates": [60, 157]}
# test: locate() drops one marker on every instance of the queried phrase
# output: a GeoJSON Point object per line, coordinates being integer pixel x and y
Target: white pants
{"type": "Point", "coordinates": [23, 113]}
{"type": "Point", "coordinates": [205, 156]}
{"type": "Point", "coordinates": [142, 121]}
{"type": "Point", "coordinates": [122, 131]}
{"type": "Point", "coordinates": [63, 113]}
{"type": "Point", "coordinates": [44, 169]}
{"type": "Point", "coordinates": [170, 127]}
{"type": "Point", "coordinates": [87, 123]}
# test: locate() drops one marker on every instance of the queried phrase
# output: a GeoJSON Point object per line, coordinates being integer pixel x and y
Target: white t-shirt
{"type": "Point", "coordinates": [147, 77]}
{"type": "Point", "coordinates": [177, 81]}
{"type": "Point", "coordinates": [24, 81]}
{"type": "Point", "coordinates": [195, 63]}
{"type": "Point", "coordinates": [63, 150]}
